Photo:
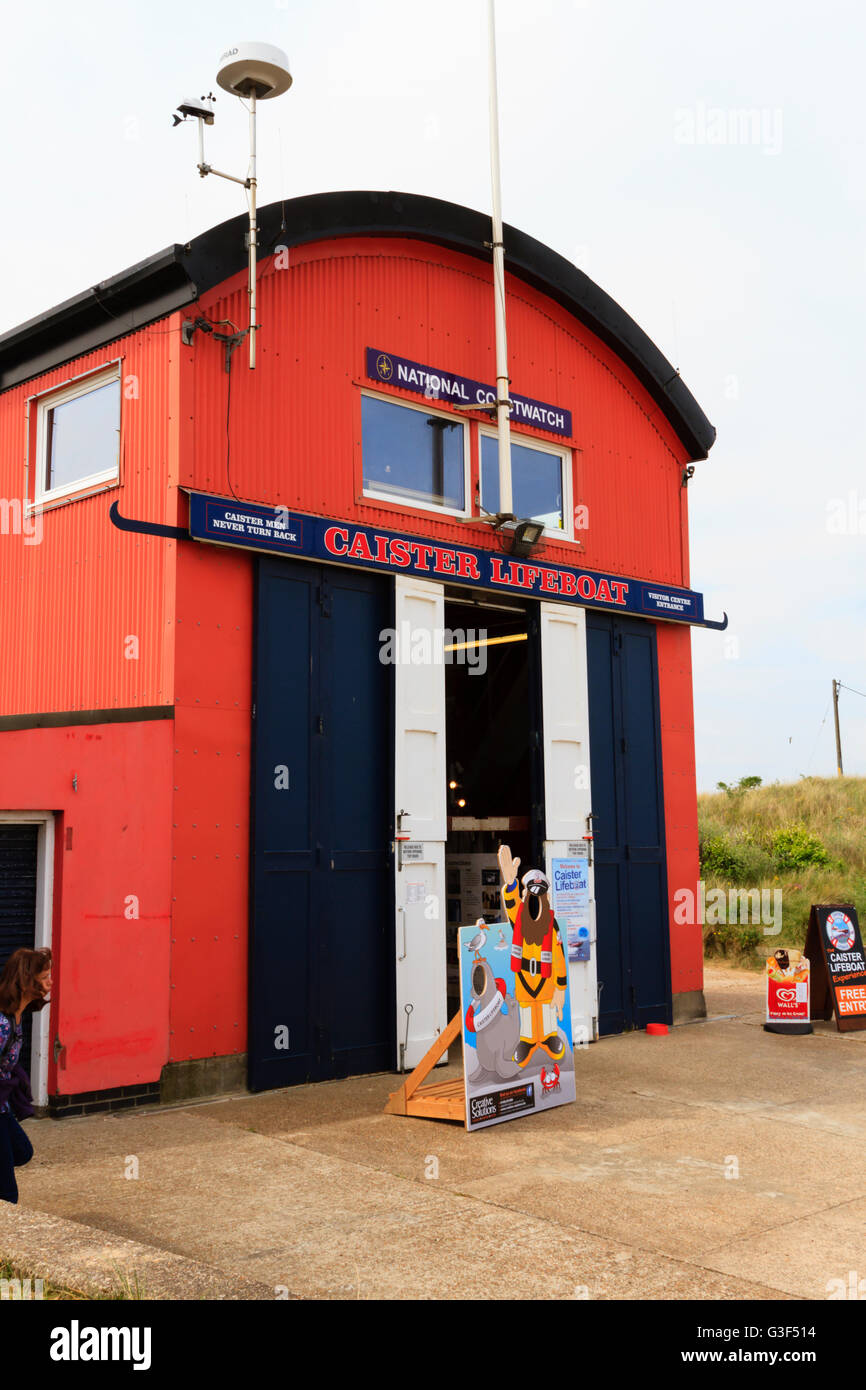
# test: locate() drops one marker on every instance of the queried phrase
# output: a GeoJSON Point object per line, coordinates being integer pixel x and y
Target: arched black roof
{"type": "Point", "coordinates": [180, 274]}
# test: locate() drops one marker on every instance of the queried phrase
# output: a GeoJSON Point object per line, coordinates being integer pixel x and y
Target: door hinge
{"type": "Point", "coordinates": [325, 600]}
{"type": "Point", "coordinates": [320, 723]}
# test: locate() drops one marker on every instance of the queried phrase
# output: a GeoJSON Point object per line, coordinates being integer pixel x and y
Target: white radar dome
{"type": "Point", "coordinates": [254, 67]}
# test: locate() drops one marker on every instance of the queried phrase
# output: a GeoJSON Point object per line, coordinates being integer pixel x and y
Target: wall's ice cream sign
{"type": "Point", "coordinates": [787, 989]}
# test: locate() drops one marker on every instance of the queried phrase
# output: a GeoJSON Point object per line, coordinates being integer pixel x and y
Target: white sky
{"type": "Point", "coordinates": [744, 261]}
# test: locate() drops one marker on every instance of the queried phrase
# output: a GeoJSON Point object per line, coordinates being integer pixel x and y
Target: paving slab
{"type": "Point", "coordinates": [810, 1257]}
{"type": "Point", "coordinates": [85, 1259]}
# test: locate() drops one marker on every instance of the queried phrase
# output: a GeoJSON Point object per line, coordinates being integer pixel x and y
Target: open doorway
{"type": "Point", "coordinates": [26, 909]}
{"type": "Point", "coordinates": [494, 757]}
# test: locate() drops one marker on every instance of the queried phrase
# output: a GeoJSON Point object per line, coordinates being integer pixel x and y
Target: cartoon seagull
{"type": "Point", "coordinates": [479, 940]}
{"type": "Point", "coordinates": [502, 944]}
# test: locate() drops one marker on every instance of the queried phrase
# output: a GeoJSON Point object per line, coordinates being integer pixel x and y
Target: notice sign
{"type": "Point", "coordinates": [571, 903]}
{"type": "Point", "coordinates": [499, 1087]}
{"type": "Point", "coordinates": [834, 938]}
{"type": "Point", "coordinates": [787, 992]}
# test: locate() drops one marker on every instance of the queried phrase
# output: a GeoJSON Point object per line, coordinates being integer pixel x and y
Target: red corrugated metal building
{"type": "Point", "coordinates": [205, 755]}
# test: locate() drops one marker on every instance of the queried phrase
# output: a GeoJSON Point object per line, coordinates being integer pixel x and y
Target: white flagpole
{"type": "Point", "coordinates": [503, 403]}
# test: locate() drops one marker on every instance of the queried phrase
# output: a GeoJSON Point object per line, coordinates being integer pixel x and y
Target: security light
{"type": "Point", "coordinates": [527, 534]}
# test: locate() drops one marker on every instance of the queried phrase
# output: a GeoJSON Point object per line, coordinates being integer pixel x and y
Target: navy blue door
{"type": "Point", "coordinates": [322, 913]}
{"type": "Point", "coordinates": [629, 834]}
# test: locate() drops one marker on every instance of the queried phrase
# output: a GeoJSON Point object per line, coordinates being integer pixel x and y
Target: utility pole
{"type": "Point", "coordinates": [836, 687]}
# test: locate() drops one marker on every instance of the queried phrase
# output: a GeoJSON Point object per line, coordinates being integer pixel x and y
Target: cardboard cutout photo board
{"type": "Point", "coordinates": [497, 1087]}
{"type": "Point", "coordinates": [515, 1015]}
{"type": "Point", "coordinates": [834, 945]}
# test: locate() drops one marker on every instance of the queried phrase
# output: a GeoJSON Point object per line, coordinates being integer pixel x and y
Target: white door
{"type": "Point", "coordinates": [568, 796]}
{"type": "Point", "coordinates": [421, 810]}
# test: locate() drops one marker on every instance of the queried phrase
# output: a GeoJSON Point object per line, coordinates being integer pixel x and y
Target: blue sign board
{"type": "Point", "coordinates": [436, 385]}
{"type": "Point", "coordinates": [278, 531]}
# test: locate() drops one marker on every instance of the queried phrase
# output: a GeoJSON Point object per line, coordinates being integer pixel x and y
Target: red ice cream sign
{"type": "Point", "coordinates": [787, 987]}
{"type": "Point", "coordinates": [787, 1003]}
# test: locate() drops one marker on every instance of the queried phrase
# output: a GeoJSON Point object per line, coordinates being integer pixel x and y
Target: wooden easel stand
{"type": "Point", "coordinates": [444, 1100]}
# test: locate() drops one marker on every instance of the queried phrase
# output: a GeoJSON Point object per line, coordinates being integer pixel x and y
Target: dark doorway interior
{"type": "Point", "coordinates": [493, 741]}
{"type": "Point", "coordinates": [18, 851]}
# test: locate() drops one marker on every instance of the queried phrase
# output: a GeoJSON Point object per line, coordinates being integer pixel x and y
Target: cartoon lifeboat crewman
{"type": "Point", "coordinates": [537, 959]}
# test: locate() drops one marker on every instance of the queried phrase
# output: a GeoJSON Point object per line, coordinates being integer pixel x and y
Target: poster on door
{"type": "Point", "coordinates": [518, 1057]}
{"type": "Point", "coordinates": [473, 887]}
{"type": "Point", "coordinates": [571, 903]}
{"type": "Point", "coordinates": [787, 974]}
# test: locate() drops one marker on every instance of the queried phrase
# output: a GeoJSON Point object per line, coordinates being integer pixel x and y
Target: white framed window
{"type": "Point", "coordinates": [414, 455]}
{"type": "Point", "coordinates": [540, 481]}
{"type": "Point", "coordinates": [78, 435]}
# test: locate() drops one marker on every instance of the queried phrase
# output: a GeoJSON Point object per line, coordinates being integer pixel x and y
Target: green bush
{"type": "Point", "coordinates": [732, 858]}
{"type": "Point", "coordinates": [718, 857]}
{"type": "Point", "coordinates": [793, 846]}
{"type": "Point", "coordinates": [732, 939]}
{"type": "Point", "coordinates": [745, 784]}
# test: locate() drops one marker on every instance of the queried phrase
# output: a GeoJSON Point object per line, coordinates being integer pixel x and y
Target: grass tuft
{"type": "Point", "coordinates": [127, 1285]}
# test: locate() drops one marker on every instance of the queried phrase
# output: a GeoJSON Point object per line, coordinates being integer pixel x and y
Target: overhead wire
{"type": "Point", "coordinates": [818, 735]}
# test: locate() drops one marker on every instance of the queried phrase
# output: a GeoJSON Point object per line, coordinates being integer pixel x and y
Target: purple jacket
{"type": "Point", "coordinates": [14, 1081]}
{"type": "Point", "coordinates": [17, 1091]}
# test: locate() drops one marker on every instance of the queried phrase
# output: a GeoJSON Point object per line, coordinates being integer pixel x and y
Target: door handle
{"type": "Point", "coordinates": [402, 911]}
{"type": "Point", "coordinates": [589, 837]}
{"type": "Point", "coordinates": [401, 836]}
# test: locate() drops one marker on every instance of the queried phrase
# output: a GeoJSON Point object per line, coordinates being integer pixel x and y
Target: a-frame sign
{"type": "Point", "coordinates": [835, 949]}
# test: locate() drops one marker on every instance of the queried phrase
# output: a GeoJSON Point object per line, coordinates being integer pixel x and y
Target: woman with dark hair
{"type": "Point", "coordinates": [24, 987]}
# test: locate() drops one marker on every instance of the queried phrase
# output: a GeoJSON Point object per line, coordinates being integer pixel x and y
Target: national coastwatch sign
{"type": "Point", "coordinates": [436, 384]}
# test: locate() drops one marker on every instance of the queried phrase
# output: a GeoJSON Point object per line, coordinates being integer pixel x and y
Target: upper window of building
{"type": "Point", "coordinates": [538, 480]}
{"type": "Point", "coordinates": [78, 435]}
{"type": "Point", "coordinates": [414, 454]}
